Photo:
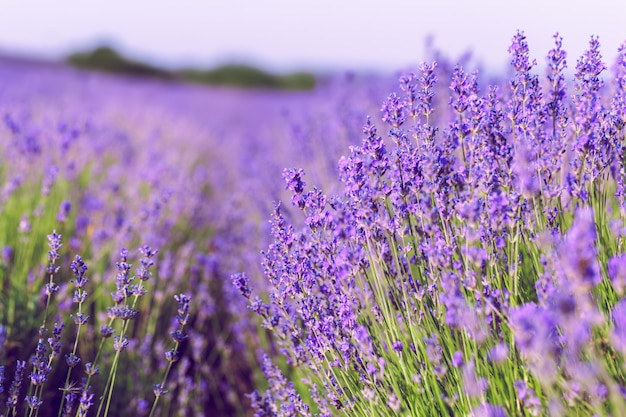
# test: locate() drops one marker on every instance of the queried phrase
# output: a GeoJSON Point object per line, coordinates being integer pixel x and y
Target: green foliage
{"type": "Point", "coordinates": [19, 309]}
{"type": "Point", "coordinates": [246, 76]}
{"type": "Point", "coordinates": [237, 75]}
{"type": "Point", "coordinates": [106, 59]}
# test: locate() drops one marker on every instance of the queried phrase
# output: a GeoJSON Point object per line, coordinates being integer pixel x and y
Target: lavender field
{"type": "Point", "coordinates": [443, 244]}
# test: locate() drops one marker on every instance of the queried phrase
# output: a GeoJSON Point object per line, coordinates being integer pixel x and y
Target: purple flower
{"type": "Point", "coordinates": [474, 386]}
{"type": "Point", "coordinates": [463, 89]}
{"type": "Point", "coordinates": [41, 368]}
{"type": "Point", "coordinates": [557, 62]}
{"type": "Point", "coordinates": [3, 336]}
{"type": "Point", "coordinates": [55, 341]}
{"type": "Point", "coordinates": [33, 402]}
{"type": "Point", "coordinates": [106, 331]}
{"type": "Point", "coordinates": [124, 312]}
{"type": "Point", "coordinates": [123, 277]}
{"type": "Point", "coordinates": [425, 94]}
{"type": "Point", "coordinates": [38, 378]}
{"type": "Point", "coordinates": [172, 355]}
{"type": "Point", "coordinates": [54, 243]}
{"type": "Point", "coordinates": [536, 337]}
{"type": "Point", "coordinates": [64, 211]}
{"type": "Point", "coordinates": [85, 401]}
{"type": "Point", "coordinates": [159, 390]}
{"type": "Point", "coordinates": [178, 336]}
{"type": "Point", "coordinates": [79, 297]}
{"type": "Point", "coordinates": [120, 343]}
{"type": "Point", "coordinates": [293, 178]}
{"type": "Point", "coordinates": [70, 399]}
{"type": "Point", "coordinates": [79, 268]}
{"type": "Point", "coordinates": [528, 398]}
{"type": "Point", "coordinates": [591, 147]}
{"type": "Point", "coordinates": [143, 273]}
{"type": "Point", "coordinates": [520, 51]}
{"type": "Point", "coordinates": [499, 353]}
{"type": "Point", "coordinates": [91, 370]}
{"type": "Point", "coordinates": [557, 109]}
{"type": "Point", "coordinates": [183, 308]}
{"type": "Point", "coordinates": [394, 402]}
{"type": "Point", "coordinates": [526, 180]}
{"type": "Point", "coordinates": [617, 272]}
{"type": "Point", "coordinates": [618, 334]}
{"type": "Point", "coordinates": [283, 392]}
{"type": "Point", "coordinates": [72, 360]}
{"type": "Point", "coordinates": [8, 255]}
{"type": "Point", "coordinates": [457, 359]}
{"type": "Point", "coordinates": [578, 257]}
{"type": "Point", "coordinates": [241, 282]}
{"type": "Point", "coordinates": [24, 225]}
{"type": "Point", "coordinates": [16, 385]}
{"type": "Point", "coordinates": [393, 110]}
{"type": "Point", "coordinates": [488, 410]}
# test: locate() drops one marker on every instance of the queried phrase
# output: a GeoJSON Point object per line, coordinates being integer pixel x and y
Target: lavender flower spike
{"type": "Point", "coordinates": [579, 253]}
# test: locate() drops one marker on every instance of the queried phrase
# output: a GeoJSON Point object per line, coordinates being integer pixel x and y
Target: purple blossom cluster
{"type": "Point", "coordinates": [472, 264]}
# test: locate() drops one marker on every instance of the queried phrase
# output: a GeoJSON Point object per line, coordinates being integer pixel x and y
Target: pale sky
{"type": "Point", "coordinates": [321, 34]}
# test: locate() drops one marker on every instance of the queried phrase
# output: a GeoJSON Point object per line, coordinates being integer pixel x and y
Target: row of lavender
{"type": "Point", "coordinates": [182, 177]}
{"type": "Point", "coordinates": [474, 262]}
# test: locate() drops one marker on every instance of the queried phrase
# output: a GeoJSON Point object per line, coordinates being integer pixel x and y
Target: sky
{"type": "Point", "coordinates": [320, 35]}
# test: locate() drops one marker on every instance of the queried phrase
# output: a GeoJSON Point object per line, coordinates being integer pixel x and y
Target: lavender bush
{"type": "Point", "coordinates": [473, 263]}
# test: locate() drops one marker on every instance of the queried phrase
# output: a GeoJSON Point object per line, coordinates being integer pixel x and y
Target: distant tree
{"type": "Point", "coordinates": [105, 58]}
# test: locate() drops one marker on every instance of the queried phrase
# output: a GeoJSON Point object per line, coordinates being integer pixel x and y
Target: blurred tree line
{"type": "Point", "coordinates": [105, 58]}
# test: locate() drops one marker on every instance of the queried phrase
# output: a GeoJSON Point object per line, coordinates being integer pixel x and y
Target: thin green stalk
{"type": "Point", "coordinates": [69, 370]}
{"type": "Point", "coordinates": [112, 373]}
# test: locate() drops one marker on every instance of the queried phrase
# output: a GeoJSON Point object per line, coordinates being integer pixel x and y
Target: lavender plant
{"type": "Point", "coordinates": [472, 264]}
